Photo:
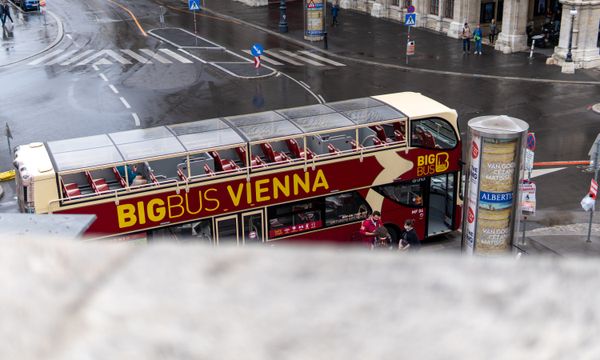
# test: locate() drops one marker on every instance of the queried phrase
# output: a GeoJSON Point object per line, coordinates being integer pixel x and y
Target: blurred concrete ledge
{"type": "Point", "coordinates": [66, 300]}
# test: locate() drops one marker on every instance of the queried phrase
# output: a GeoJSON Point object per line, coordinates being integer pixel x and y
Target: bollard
{"type": "Point", "coordinates": [325, 46]}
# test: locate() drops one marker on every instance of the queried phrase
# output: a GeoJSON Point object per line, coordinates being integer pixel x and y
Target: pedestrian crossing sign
{"type": "Point", "coordinates": [194, 5]}
{"type": "Point", "coordinates": [410, 19]}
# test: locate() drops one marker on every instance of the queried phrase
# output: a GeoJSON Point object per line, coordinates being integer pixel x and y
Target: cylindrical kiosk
{"type": "Point", "coordinates": [495, 159]}
{"type": "Point", "coordinates": [314, 19]}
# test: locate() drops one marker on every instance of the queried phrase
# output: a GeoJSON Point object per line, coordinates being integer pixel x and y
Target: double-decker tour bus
{"type": "Point", "coordinates": [310, 173]}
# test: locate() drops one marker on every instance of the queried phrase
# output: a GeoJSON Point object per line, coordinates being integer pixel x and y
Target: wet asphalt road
{"type": "Point", "coordinates": [53, 101]}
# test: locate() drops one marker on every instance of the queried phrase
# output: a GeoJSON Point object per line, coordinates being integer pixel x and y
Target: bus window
{"type": "Point", "coordinates": [409, 193]}
{"type": "Point", "coordinates": [433, 133]}
{"type": "Point", "coordinates": [332, 143]}
{"type": "Point", "coordinates": [345, 208]}
{"type": "Point", "coordinates": [293, 218]}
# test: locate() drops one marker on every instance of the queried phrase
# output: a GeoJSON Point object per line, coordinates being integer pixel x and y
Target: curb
{"type": "Point", "coordinates": [393, 66]}
{"type": "Point", "coordinates": [1, 191]}
{"type": "Point", "coordinates": [57, 40]}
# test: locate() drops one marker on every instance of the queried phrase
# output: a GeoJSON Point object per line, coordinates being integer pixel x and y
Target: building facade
{"type": "Point", "coordinates": [517, 21]}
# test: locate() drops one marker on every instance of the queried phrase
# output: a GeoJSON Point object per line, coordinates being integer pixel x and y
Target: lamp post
{"type": "Point", "coordinates": [283, 25]}
{"type": "Point", "coordinates": [573, 12]}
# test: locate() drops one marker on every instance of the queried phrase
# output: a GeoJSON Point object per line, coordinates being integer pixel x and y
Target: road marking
{"type": "Point", "coordinates": [103, 77]}
{"type": "Point", "coordinates": [322, 99]}
{"type": "Point", "coordinates": [540, 172]}
{"type": "Point", "coordinates": [136, 119]}
{"type": "Point", "coordinates": [47, 56]}
{"type": "Point", "coordinates": [136, 56]}
{"type": "Point", "coordinates": [70, 37]}
{"type": "Point", "coordinates": [284, 58]}
{"type": "Point", "coordinates": [305, 84]}
{"type": "Point", "coordinates": [72, 60]}
{"type": "Point", "coordinates": [95, 67]}
{"type": "Point", "coordinates": [303, 58]}
{"type": "Point", "coordinates": [113, 88]}
{"type": "Point", "coordinates": [324, 59]}
{"type": "Point", "coordinates": [102, 61]}
{"type": "Point", "coordinates": [156, 56]}
{"type": "Point", "coordinates": [176, 56]}
{"type": "Point", "coordinates": [125, 102]}
{"type": "Point", "coordinates": [62, 57]}
{"type": "Point", "coordinates": [193, 56]}
{"type": "Point", "coordinates": [265, 58]}
{"type": "Point", "coordinates": [110, 53]}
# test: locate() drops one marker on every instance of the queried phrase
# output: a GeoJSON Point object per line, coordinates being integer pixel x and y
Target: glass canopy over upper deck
{"type": "Point", "coordinates": [187, 138]}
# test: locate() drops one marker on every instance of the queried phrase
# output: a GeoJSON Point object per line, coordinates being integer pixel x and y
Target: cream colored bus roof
{"type": "Point", "coordinates": [414, 105]}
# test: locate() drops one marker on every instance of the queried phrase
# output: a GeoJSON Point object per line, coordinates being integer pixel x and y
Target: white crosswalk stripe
{"type": "Point", "coordinates": [176, 56]}
{"type": "Point", "coordinates": [284, 58]}
{"type": "Point", "coordinates": [265, 58]}
{"type": "Point", "coordinates": [77, 57]}
{"type": "Point", "coordinates": [45, 57]}
{"type": "Point", "coordinates": [321, 58]}
{"type": "Point", "coordinates": [136, 56]}
{"type": "Point", "coordinates": [303, 58]}
{"type": "Point", "coordinates": [156, 56]}
{"type": "Point", "coordinates": [110, 53]}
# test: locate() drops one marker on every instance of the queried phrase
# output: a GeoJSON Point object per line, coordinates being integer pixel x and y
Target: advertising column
{"type": "Point", "coordinates": [495, 161]}
{"type": "Point", "coordinates": [314, 19]}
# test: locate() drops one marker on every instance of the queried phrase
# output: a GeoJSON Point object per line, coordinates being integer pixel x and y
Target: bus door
{"type": "Point", "coordinates": [441, 200]}
{"type": "Point", "coordinates": [240, 229]}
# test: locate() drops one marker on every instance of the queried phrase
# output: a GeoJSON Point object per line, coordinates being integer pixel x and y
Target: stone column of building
{"type": "Point", "coordinates": [464, 11]}
{"type": "Point", "coordinates": [421, 9]}
{"type": "Point", "coordinates": [513, 37]}
{"type": "Point", "coordinates": [381, 8]}
{"type": "Point", "coordinates": [584, 47]}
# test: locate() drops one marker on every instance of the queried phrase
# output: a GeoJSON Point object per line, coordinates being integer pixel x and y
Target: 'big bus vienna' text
{"type": "Point", "coordinates": [209, 200]}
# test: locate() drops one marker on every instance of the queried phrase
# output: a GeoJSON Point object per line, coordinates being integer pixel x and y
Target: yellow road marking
{"type": "Point", "coordinates": [132, 16]}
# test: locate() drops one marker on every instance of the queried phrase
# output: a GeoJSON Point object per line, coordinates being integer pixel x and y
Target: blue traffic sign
{"type": "Point", "coordinates": [194, 5]}
{"type": "Point", "coordinates": [257, 50]}
{"type": "Point", "coordinates": [410, 19]}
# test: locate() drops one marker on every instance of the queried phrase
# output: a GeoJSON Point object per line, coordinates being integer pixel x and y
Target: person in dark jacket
{"type": "Point", "coordinates": [335, 10]}
{"type": "Point", "coordinates": [410, 241]}
{"type": "Point", "coordinates": [6, 12]}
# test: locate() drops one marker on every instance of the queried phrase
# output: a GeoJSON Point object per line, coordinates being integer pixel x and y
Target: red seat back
{"type": "Point", "coordinates": [267, 149]}
{"type": "Point", "coordinates": [241, 151]}
{"type": "Point", "coordinates": [380, 132]}
{"type": "Point", "coordinates": [399, 135]}
{"type": "Point", "coordinates": [292, 144]}
{"type": "Point", "coordinates": [428, 139]}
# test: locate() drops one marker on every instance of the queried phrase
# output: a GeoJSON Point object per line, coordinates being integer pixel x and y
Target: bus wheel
{"type": "Point", "coordinates": [394, 234]}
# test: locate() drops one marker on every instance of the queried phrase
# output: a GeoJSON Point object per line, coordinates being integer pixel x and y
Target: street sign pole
{"type": "Point", "coordinates": [8, 134]}
{"type": "Point", "coordinates": [407, 41]}
{"type": "Point", "coordinates": [597, 144]}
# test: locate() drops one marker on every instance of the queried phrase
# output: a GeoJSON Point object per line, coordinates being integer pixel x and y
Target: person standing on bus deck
{"type": "Point", "coordinates": [132, 176]}
{"type": "Point", "coordinates": [410, 241]}
{"type": "Point", "coordinates": [466, 37]}
{"type": "Point", "coordinates": [368, 227]}
{"type": "Point", "coordinates": [477, 35]}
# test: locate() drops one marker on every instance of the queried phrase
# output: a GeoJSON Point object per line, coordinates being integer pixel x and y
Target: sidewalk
{"type": "Point", "coordinates": [29, 37]}
{"type": "Point", "coordinates": [383, 42]}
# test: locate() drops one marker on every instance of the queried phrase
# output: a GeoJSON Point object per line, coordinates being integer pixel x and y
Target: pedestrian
{"type": "Point", "coordinates": [368, 227]}
{"type": "Point", "coordinates": [477, 35]}
{"type": "Point", "coordinates": [6, 9]}
{"type": "Point", "coordinates": [2, 14]}
{"type": "Point", "coordinates": [383, 240]}
{"type": "Point", "coordinates": [493, 32]}
{"type": "Point", "coordinates": [466, 36]}
{"type": "Point", "coordinates": [410, 241]}
{"type": "Point", "coordinates": [335, 9]}
{"type": "Point", "coordinates": [133, 177]}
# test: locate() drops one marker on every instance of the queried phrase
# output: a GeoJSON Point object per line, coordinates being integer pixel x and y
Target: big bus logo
{"type": "Point", "coordinates": [475, 150]}
{"type": "Point", "coordinates": [432, 163]}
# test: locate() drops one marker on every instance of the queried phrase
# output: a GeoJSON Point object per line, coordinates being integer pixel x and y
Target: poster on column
{"type": "Point", "coordinates": [473, 191]}
{"type": "Point", "coordinates": [495, 200]}
{"type": "Point", "coordinates": [315, 19]}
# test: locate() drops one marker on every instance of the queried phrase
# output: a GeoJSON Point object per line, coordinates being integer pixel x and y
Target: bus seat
{"type": "Point", "coordinates": [71, 189]}
{"type": "Point", "coordinates": [181, 174]}
{"type": "Point", "coordinates": [354, 145]}
{"type": "Point", "coordinates": [399, 135]}
{"type": "Point", "coordinates": [332, 149]}
{"type": "Point", "coordinates": [377, 141]}
{"type": "Point", "coordinates": [428, 139]}
{"type": "Point", "coordinates": [208, 170]}
{"type": "Point", "coordinates": [98, 185]}
{"type": "Point", "coordinates": [399, 126]}
{"type": "Point", "coordinates": [273, 156]}
{"type": "Point", "coordinates": [380, 132]}
{"type": "Point", "coordinates": [119, 177]}
{"type": "Point", "coordinates": [223, 164]}
{"type": "Point", "coordinates": [256, 160]}
{"type": "Point", "coordinates": [297, 151]}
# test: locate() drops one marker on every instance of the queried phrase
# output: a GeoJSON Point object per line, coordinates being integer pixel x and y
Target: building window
{"type": "Point", "coordinates": [407, 3]}
{"type": "Point", "coordinates": [434, 8]}
{"type": "Point", "coordinates": [395, 3]}
{"type": "Point", "coordinates": [449, 9]}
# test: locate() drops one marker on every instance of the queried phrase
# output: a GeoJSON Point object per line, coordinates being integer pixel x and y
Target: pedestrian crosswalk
{"type": "Point", "coordinates": [89, 57]}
